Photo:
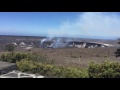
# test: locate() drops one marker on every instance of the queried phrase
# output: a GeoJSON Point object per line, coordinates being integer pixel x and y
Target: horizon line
{"type": "Point", "coordinates": [59, 37]}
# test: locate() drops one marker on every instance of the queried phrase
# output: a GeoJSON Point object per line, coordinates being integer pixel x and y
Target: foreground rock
{"type": "Point", "coordinates": [6, 67]}
{"type": "Point", "coordinates": [18, 74]}
{"type": "Point", "coordinates": [8, 70]}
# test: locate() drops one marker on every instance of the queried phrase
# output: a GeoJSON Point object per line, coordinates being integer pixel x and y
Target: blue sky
{"type": "Point", "coordinates": [72, 24]}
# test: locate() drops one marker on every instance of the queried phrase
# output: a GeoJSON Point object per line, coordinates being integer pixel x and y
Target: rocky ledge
{"type": "Point", "coordinates": [18, 74]}
{"type": "Point", "coordinates": [6, 67]}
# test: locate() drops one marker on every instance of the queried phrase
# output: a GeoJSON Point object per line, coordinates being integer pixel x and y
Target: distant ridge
{"type": "Point", "coordinates": [19, 36]}
{"type": "Point", "coordinates": [13, 38]}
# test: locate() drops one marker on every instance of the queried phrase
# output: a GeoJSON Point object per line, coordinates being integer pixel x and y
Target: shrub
{"type": "Point", "coordinates": [104, 70]}
{"type": "Point", "coordinates": [97, 55]}
{"type": "Point", "coordinates": [25, 65]}
{"type": "Point", "coordinates": [73, 56]}
{"type": "Point", "coordinates": [9, 47]}
{"type": "Point", "coordinates": [117, 52]}
{"type": "Point", "coordinates": [12, 57]}
{"type": "Point", "coordinates": [74, 72]}
{"type": "Point", "coordinates": [37, 58]}
{"type": "Point", "coordinates": [29, 49]}
{"type": "Point", "coordinates": [51, 70]}
{"type": "Point", "coordinates": [105, 56]}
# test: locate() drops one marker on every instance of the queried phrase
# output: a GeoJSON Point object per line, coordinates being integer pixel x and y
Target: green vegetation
{"type": "Point", "coordinates": [35, 63]}
{"type": "Point", "coordinates": [12, 57]}
{"type": "Point", "coordinates": [105, 70]}
{"type": "Point", "coordinates": [51, 70]}
{"type": "Point", "coordinates": [9, 47]}
{"type": "Point", "coordinates": [117, 53]}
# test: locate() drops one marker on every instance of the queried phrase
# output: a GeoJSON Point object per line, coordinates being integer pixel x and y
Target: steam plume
{"type": "Point", "coordinates": [89, 24]}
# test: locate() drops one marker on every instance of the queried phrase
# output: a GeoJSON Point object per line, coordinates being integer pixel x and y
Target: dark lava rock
{"type": "Point", "coordinates": [6, 67]}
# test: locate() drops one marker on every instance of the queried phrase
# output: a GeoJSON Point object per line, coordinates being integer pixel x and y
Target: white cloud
{"type": "Point", "coordinates": [90, 24]}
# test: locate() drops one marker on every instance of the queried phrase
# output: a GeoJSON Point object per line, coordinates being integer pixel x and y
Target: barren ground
{"type": "Point", "coordinates": [76, 56]}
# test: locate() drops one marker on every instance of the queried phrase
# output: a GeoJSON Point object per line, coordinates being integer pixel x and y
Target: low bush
{"type": "Point", "coordinates": [9, 47]}
{"type": "Point", "coordinates": [38, 58]}
{"type": "Point", "coordinates": [13, 57]}
{"type": "Point", "coordinates": [105, 70]}
{"type": "Point", "coordinates": [73, 56]}
{"type": "Point", "coordinates": [51, 70]}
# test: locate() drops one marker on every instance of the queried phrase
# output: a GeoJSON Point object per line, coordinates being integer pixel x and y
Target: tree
{"type": "Point", "coordinates": [9, 47]}
{"type": "Point", "coordinates": [117, 53]}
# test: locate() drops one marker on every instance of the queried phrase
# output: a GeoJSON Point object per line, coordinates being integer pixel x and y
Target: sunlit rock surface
{"type": "Point", "coordinates": [18, 74]}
